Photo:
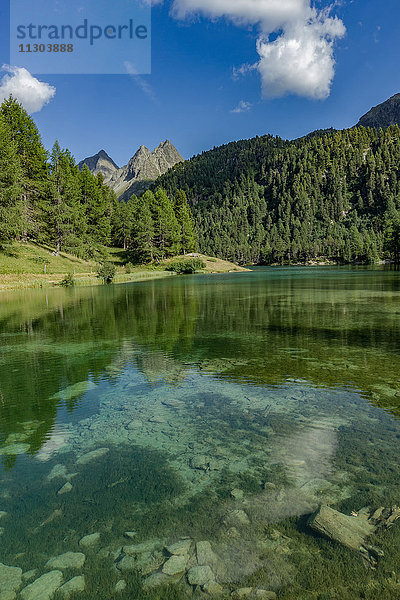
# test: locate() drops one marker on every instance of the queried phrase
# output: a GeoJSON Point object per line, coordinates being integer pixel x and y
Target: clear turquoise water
{"type": "Point", "coordinates": [229, 405]}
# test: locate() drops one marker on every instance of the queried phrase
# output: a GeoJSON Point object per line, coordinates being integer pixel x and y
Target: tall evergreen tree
{"type": "Point", "coordinates": [166, 226]}
{"type": "Point", "coordinates": [142, 228]}
{"type": "Point", "coordinates": [33, 160]}
{"type": "Point", "coordinates": [185, 220]}
{"type": "Point", "coordinates": [10, 186]}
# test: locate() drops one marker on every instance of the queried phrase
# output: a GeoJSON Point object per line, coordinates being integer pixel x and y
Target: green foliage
{"type": "Point", "coordinates": [68, 281]}
{"type": "Point", "coordinates": [186, 223]}
{"type": "Point", "coordinates": [128, 267]}
{"type": "Point", "coordinates": [187, 266]}
{"type": "Point", "coordinates": [267, 200]}
{"type": "Point", "coordinates": [106, 272]}
{"type": "Point", "coordinates": [392, 240]}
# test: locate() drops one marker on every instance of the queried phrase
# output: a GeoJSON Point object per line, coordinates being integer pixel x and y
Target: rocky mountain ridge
{"type": "Point", "coordinates": [385, 114]}
{"type": "Point", "coordinates": [139, 173]}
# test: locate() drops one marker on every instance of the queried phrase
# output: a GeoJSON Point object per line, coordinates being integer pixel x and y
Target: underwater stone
{"type": "Point", "coordinates": [181, 547]}
{"type": "Point", "coordinates": [140, 548]}
{"type": "Point", "coordinates": [134, 424]}
{"type": "Point", "coordinates": [265, 594]}
{"type": "Point", "coordinates": [3, 514]}
{"type": "Point", "coordinates": [237, 517]}
{"type": "Point", "coordinates": [157, 579]}
{"type": "Point", "coordinates": [200, 575]}
{"type": "Point", "coordinates": [242, 593]}
{"type": "Point", "coordinates": [74, 390]}
{"type": "Point", "coordinates": [176, 564]}
{"type": "Point", "coordinates": [212, 587]}
{"type": "Point", "coordinates": [44, 587]}
{"type": "Point", "coordinates": [2, 530]}
{"type": "Point", "coordinates": [173, 403]}
{"type": "Point", "coordinates": [127, 563]}
{"type": "Point", "coordinates": [120, 586]}
{"type": "Point", "coordinates": [204, 553]}
{"type": "Point", "coordinates": [8, 595]}
{"type": "Point", "coordinates": [10, 578]}
{"type": "Point", "coordinates": [237, 494]}
{"type": "Point", "coordinates": [90, 540]}
{"type": "Point", "coordinates": [130, 534]}
{"type": "Point", "coordinates": [68, 560]}
{"type": "Point", "coordinates": [86, 458]}
{"type": "Point", "coordinates": [29, 574]}
{"type": "Point", "coordinates": [76, 584]}
{"type": "Point", "coordinates": [57, 471]}
{"type": "Point", "coordinates": [65, 489]}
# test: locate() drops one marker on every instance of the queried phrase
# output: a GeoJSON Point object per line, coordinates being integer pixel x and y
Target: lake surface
{"type": "Point", "coordinates": [217, 409]}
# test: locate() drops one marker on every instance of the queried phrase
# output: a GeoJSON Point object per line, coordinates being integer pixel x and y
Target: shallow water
{"type": "Point", "coordinates": [223, 408]}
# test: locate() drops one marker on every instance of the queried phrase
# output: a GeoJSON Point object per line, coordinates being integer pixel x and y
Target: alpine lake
{"type": "Point", "coordinates": [172, 439]}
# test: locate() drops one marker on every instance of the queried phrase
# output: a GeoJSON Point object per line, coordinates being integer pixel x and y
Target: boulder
{"type": "Point", "coordinates": [351, 531]}
{"type": "Point", "coordinates": [44, 587]}
{"type": "Point", "coordinates": [76, 584]}
{"type": "Point", "coordinates": [180, 548]}
{"type": "Point", "coordinates": [212, 588]}
{"type": "Point", "coordinates": [69, 560]}
{"type": "Point", "coordinates": [176, 564]}
{"type": "Point", "coordinates": [120, 586]}
{"type": "Point", "coordinates": [204, 554]}
{"type": "Point", "coordinates": [89, 456]}
{"type": "Point", "coordinates": [65, 489]}
{"type": "Point", "coordinates": [200, 575]}
{"type": "Point", "coordinates": [89, 540]}
{"type": "Point", "coordinates": [10, 578]}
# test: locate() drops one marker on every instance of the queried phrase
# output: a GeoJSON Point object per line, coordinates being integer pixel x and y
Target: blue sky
{"type": "Point", "coordinates": [191, 93]}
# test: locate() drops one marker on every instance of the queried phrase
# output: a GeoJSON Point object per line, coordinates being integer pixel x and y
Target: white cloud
{"type": "Point", "coordinates": [301, 58]}
{"type": "Point", "coordinates": [140, 81]}
{"type": "Point", "coordinates": [29, 91]}
{"type": "Point", "coordinates": [242, 107]}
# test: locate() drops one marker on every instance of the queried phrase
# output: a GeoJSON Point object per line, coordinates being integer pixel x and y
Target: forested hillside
{"type": "Point", "coordinates": [45, 198]}
{"type": "Point", "coordinates": [334, 195]}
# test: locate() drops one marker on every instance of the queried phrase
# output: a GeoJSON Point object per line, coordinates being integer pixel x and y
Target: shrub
{"type": "Point", "coordinates": [128, 267]}
{"type": "Point", "coordinates": [68, 280]}
{"type": "Point", "coordinates": [186, 266]}
{"type": "Point", "coordinates": [106, 272]}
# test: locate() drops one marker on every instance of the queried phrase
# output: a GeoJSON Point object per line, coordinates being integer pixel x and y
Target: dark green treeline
{"type": "Point", "coordinates": [45, 198]}
{"type": "Point", "coordinates": [335, 194]}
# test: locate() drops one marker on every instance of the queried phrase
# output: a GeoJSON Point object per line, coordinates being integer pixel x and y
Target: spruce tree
{"type": "Point", "coordinates": [10, 186]}
{"type": "Point", "coordinates": [166, 226]}
{"type": "Point", "coordinates": [142, 228]}
{"type": "Point", "coordinates": [185, 220]}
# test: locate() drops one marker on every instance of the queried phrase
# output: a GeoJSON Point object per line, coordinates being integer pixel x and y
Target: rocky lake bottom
{"type": "Point", "coordinates": [178, 472]}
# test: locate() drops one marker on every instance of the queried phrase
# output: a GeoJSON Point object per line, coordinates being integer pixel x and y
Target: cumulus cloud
{"type": "Point", "coordinates": [242, 107]}
{"type": "Point", "coordinates": [29, 91]}
{"type": "Point", "coordinates": [299, 60]}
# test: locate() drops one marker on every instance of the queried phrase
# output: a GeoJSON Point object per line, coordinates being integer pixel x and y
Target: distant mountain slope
{"type": "Point", "coordinates": [100, 163]}
{"type": "Point", "coordinates": [140, 172]}
{"type": "Point", "coordinates": [383, 115]}
{"type": "Point", "coordinates": [268, 200]}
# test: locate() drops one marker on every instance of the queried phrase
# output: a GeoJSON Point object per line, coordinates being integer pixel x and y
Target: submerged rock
{"type": "Point", "coordinates": [76, 584]}
{"type": "Point", "coordinates": [44, 587]}
{"type": "Point", "coordinates": [237, 518]}
{"type": "Point", "coordinates": [90, 540]}
{"type": "Point", "coordinates": [65, 489]}
{"type": "Point", "coordinates": [86, 458]}
{"type": "Point", "coordinates": [10, 578]}
{"type": "Point", "coordinates": [212, 587]}
{"type": "Point", "coordinates": [204, 553]}
{"type": "Point", "coordinates": [14, 449]}
{"type": "Point", "coordinates": [68, 560]}
{"type": "Point", "coordinates": [130, 534]}
{"type": "Point", "coordinates": [158, 579]}
{"type": "Point", "coordinates": [57, 471]}
{"type": "Point", "coordinates": [200, 575]}
{"type": "Point", "coordinates": [176, 564]}
{"type": "Point", "coordinates": [204, 463]}
{"type": "Point", "coordinates": [72, 391]}
{"type": "Point", "coordinates": [181, 547]}
{"type": "Point", "coordinates": [29, 574]}
{"type": "Point", "coordinates": [120, 586]}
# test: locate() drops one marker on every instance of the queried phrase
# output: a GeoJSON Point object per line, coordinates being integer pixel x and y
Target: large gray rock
{"type": "Point", "coordinates": [89, 456]}
{"type": "Point", "coordinates": [205, 554]}
{"type": "Point", "coordinates": [90, 540]}
{"type": "Point", "coordinates": [69, 560]}
{"type": "Point", "coordinates": [200, 575]}
{"type": "Point", "coordinates": [76, 584]}
{"type": "Point", "coordinates": [10, 578]}
{"type": "Point", "coordinates": [181, 547]}
{"type": "Point", "coordinates": [44, 587]}
{"type": "Point", "coordinates": [176, 564]}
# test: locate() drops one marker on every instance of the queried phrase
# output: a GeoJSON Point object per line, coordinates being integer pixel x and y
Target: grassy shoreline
{"type": "Point", "coordinates": [34, 266]}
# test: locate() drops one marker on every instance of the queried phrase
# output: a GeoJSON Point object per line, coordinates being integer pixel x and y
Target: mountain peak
{"type": "Point", "coordinates": [385, 114]}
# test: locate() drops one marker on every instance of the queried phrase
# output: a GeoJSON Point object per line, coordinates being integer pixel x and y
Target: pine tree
{"type": "Point", "coordinates": [142, 228]}
{"type": "Point", "coordinates": [33, 157]}
{"type": "Point", "coordinates": [10, 187]}
{"type": "Point", "coordinates": [185, 220]}
{"type": "Point", "coordinates": [166, 226]}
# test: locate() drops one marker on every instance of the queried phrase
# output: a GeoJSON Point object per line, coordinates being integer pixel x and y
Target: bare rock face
{"type": "Point", "coordinates": [141, 171]}
{"type": "Point", "coordinates": [100, 163]}
{"type": "Point", "coordinates": [383, 115]}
